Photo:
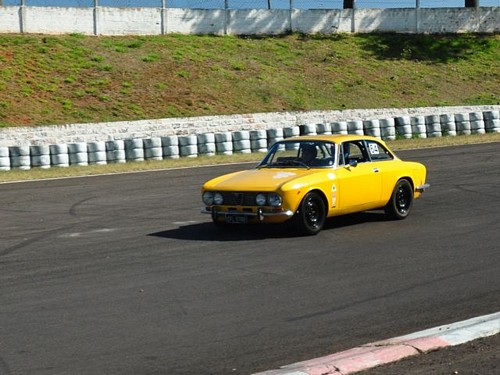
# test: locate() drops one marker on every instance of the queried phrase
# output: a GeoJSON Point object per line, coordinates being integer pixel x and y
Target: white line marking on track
{"type": "Point", "coordinates": [189, 222]}
{"type": "Point", "coordinates": [91, 232]}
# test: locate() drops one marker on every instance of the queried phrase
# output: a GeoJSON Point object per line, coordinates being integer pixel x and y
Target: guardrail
{"type": "Point", "coordinates": [242, 141]}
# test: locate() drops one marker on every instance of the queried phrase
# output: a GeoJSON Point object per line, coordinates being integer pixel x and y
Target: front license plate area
{"type": "Point", "coordinates": [236, 219]}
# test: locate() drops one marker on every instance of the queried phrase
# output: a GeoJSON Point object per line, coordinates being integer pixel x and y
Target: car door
{"type": "Point", "coordinates": [359, 180]}
{"type": "Point", "coordinates": [383, 161]}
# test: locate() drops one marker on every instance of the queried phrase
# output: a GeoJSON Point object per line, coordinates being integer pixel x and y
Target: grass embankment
{"type": "Point", "coordinates": [47, 80]}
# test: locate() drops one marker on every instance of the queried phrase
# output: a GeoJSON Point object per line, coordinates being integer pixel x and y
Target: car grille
{"type": "Point", "coordinates": [239, 199]}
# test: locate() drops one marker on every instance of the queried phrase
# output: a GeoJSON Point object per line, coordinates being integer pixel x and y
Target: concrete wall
{"type": "Point", "coordinates": [122, 130]}
{"type": "Point", "coordinates": [157, 21]}
{"type": "Point", "coordinates": [459, 20]}
{"type": "Point", "coordinates": [136, 21]}
{"type": "Point", "coordinates": [42, 21]}
{"type": "Point", "coordinates": [195, 21]}
{"type": "Point", "coordinates": [323, 21]}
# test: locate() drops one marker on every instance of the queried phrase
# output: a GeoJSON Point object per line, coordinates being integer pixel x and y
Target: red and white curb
{"type": "Point", "coordinates": [382, 352]}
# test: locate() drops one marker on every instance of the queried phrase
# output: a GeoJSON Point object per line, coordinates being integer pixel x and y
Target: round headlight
{"type": "Point", "coordinates": [208, 198]}
{"type": "Point", "coordinates": [218, 199]}
{"type": "Point", "coordinates": [261, 199]}
{"type": "Point", "coordinates": [274, 200]}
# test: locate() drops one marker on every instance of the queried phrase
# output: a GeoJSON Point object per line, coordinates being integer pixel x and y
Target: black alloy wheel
{"type": "Point", "coordinates": [401, 202]}
{"type": "Point", "coordinates": [311, 215]}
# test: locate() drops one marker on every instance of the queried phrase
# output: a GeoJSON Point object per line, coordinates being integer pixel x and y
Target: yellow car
{"type": "Point", "coordinates": [308, 179]}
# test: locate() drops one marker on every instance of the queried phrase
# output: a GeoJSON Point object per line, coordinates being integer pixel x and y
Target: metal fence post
{"type": "Point", "coordinates": [96, 26]}
{"type": "Point", "coordinates": [163, 15]}
{"type": "Point", "coordinates": [290, 20]}
{"type": "Point", "coordinates": [226, 16]}
{"type": "Point", "coordinates": [417, 17]}
{"type": "Point", "coordinates": [353, 21]}
{"type": "Point", "coordinates": [22, 17]}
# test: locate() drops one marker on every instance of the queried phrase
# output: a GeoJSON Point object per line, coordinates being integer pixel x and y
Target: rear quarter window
{"type": "Point", "coordinates": [378, 152]}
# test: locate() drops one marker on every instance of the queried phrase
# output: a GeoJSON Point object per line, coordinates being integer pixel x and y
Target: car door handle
{"type": "Point", "coordinates": [376, 170]}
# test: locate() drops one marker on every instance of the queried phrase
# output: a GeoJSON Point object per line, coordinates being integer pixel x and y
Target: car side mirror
{"type": "Point", "coordinates": [353, 163]}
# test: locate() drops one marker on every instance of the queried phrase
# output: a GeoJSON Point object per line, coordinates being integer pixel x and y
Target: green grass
{"type": "Point", "coordinates": [47, 80]}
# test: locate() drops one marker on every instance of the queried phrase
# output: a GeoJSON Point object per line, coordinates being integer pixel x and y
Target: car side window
{"type": "Point", "coordinates": [377, 151]}
{"type": "Point", "coordinates": [354, 150]}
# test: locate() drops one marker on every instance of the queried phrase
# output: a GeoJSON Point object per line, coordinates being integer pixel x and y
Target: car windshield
{"type": "Point", "coordinates": [305, 154]}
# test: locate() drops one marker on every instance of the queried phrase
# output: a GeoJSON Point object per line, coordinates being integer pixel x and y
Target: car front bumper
{"type": "Point", "coordinates": [259, 214]}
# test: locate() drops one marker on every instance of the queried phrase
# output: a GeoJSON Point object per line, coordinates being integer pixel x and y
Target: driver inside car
{"type": "Point", "coordinates": [309, 154]}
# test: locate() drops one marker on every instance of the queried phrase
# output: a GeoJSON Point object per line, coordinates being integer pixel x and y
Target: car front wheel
{"type": "Point", "coordinates": [401, 202]}
{"type": "Point", "coordinates": [311, 214]}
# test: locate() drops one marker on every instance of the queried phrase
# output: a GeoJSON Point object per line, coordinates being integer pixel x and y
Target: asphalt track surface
{"type": "Point", "coordinates": [122, 274]}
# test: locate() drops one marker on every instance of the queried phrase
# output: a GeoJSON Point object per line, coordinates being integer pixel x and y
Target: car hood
{"type": "Point", "coordinates": [264, 179]}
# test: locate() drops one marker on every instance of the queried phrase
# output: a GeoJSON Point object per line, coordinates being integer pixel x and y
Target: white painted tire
{"type": "Point", "coordinates": [242, 146]}
{"type": "Point", "coordinates": [355, 127]}
{"type": "Point", "coordinates": [339, 127]}
{"type": "Point", "coordinates": [170, 152]}
{"type": "Point", "coordinates": [291, 132]}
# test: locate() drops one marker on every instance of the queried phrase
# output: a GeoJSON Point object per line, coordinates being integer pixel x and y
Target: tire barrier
{"type": "Point", "coordinates": [339, 127]}
{"type": "Point", "coordinates": [418, 127]}
{"type": "Point", "coordinates": [4, 159]}
{"type": "Point", "coordinates": [258, 141]}
{"type": "Point", "coordinates": [170, 147]}
{"type": "Point", "coordinates": [448, 125]}
{"type": "Point", "coordinates": [293, 131]}
{"type": "Point", "coordinates": [492, 121]}
{"type": "Point", "coordinates": [403, 127]}
{"type": "Point", "coordinates": [477, 123]}
{"type": "Point", "coordinates": [40, 156]}
{"type": "Point", "coordinates": [355, 127]}
{"type": "Point", "coordinates": [463, 124]}
{"type": "Point", "coordinates": [115, 151]}
{"type": "Point", "coordinates": [97, 153]}
{"type": "Point", "coordinates": [433, 126]}
{"type": "Point", "coordinates": [308, 129]}
{"type": "Point", "coordinates": [153, 149]}
{"type": "Point", "coordinates": [20, 157]}
{"type": "Point", "coordinates": [324, 129]}
{"type": "Point", "coordinates": [224, 143]}
{"type": "Point", "coordinates": [372, 127]}
{"type": "Point", "coordinates": [274, 135]}
{"type": "Point", "coordinates": [188, 146]}
{"type": "Point", "coordinates": [388, 129]}
{"type": "Point", "coordinates": [243, 141]}
{"type": "Point", "coordinates": [206, 144]}
{"type": "Point", "coordinates": [78, 154]}
{"type": "Point", "coordinates": [59, 156]}
{"type": "Point", "coordinates": [134, 149]}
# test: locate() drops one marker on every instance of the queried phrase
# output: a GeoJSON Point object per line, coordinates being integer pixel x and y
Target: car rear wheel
{"type": "Point", "coordinates": [311, 215]}
{"type": "Point", "coordinates": [401, 202]}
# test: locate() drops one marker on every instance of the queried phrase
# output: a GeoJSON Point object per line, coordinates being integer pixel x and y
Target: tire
{"type": "Point", "coordinates": [311, 215]}
{"type": "Point", "coordinates": [401, 202]}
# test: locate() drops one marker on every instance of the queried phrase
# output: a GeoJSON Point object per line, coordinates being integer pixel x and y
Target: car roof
{"type": "Point", "coordinates": [336, 138]}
